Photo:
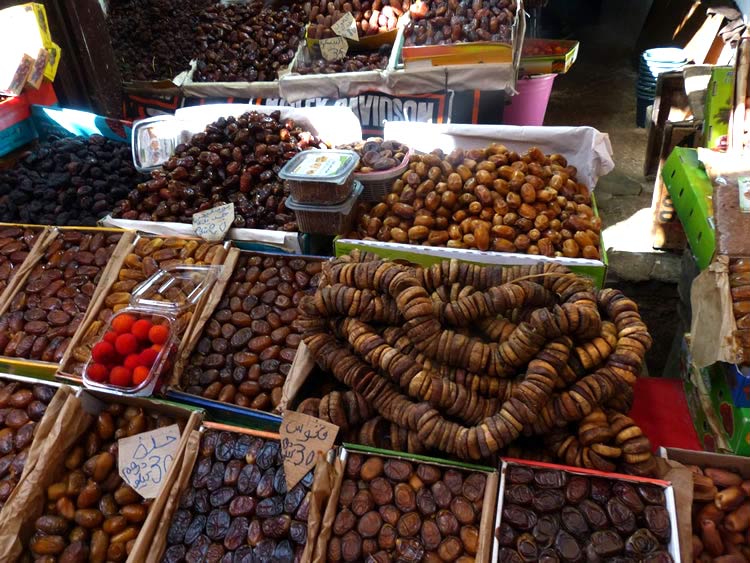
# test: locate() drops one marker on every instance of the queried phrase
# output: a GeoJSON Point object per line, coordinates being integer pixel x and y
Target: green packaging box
{"type": "Point", "coordinates": [692, 195]}
{"type": "Point", "coordinates": [718, 107]}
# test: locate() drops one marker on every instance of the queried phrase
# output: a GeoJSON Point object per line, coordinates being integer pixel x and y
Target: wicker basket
{"type": "Point", "coordinates": [377, 185]}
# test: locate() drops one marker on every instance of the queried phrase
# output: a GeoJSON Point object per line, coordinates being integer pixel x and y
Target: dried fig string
{"type": "Point", "coordinates": [465, 359]}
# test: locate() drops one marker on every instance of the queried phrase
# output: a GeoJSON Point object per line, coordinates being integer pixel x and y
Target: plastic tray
{"type": "Point", "coordinates": [319, 177]}
{"type": "Point", "coordinates": [326, 219]}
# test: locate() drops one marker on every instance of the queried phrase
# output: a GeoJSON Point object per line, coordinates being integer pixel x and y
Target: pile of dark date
{"type": "Point", "coordinates": [235, 160]}
{"type": "Point", "coordinates": [237, 505]}
{"type": "Point", "coordinates": [153, 39]}
{"type": "Point", "coordinates": [354, 62]}
{"type": "Point", "coordinates": [551, 516]}
{"type": "Point", "coordinates": [441, 22]}
{"type": "Point", "coordinates": [67, 181]}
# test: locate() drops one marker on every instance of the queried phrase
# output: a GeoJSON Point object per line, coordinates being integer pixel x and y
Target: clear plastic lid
{"type": "Point", "coordinates": [332, 166]}
{"type": "Point", "coordinates": [155, 138]}
{"type": "Point", "coordinates": [175, 289]}
{"type": "Point", "coordinates": [344, 208]}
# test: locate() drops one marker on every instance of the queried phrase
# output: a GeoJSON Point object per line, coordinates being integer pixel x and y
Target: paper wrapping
{"type": "Point", "coordinates": [205, 309]}
{"type": "Point", "coordinates": [302, 366]}
{"type": "Point", "coordinates": [326, 476]}
{"type": "Point", "coordinates": [26, 503]}
{"type": "Point", "coordinates": [31, 259]}
{"type": "Point", "coordinates": [682, 484]}
{"type": "Point", "coordinates": [335, 478]}
{"type": "Point", "coordinates": [160, 526]}
{"type": "Point", "coordinates": [713, 319]}
{"type": "Point", "coordinates": [589, 150]}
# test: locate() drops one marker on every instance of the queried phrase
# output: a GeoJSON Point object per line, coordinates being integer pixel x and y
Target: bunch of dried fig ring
{"type": "Point", "coordinates": [467, 358]}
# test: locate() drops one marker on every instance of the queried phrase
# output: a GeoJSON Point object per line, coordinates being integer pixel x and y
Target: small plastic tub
{"type": "Point", "coordinates": [320, 177]}
{"type": "Point", "coordinates": [326, 219]}
{"type": "Point", "coordinates": [377, 185]}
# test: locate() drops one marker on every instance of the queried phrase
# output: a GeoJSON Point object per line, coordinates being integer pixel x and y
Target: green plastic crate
{"type": "Point", "coordinates": [718, 107]}
{"type": "Point", "coordinates": [692, 195]}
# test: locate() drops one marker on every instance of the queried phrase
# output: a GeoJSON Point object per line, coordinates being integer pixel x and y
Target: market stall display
{"type": "Point", "coordinates": [237, 504]}
{"type": "Point", "coordinates": [67, 181]}
{"type": "Point", "coordinates": [490, 199]}
{"type": "Point", "coordinates": [135, 264]}
{"type": "Point", "coordinates": [246, 348]}
{"type": "Point", "coordinates": [51, 301]}
{"type": "Point", "coordinates": [400, 337]}
{"type": "Point", "coordinates": [311, 61]}
{"type": "Point", "coordinates": [235, 160]}
{"type": "Point", "coordinates": [371, 17]}
{"type": "Point", "coordinates": [549, 513]}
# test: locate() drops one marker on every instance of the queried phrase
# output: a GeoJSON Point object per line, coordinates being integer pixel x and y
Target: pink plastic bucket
{"type": "Point", "coordinates": [530, 105]}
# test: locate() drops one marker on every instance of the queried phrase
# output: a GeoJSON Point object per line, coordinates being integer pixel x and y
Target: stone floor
{"type": "Point", "coordinates": [599, 91]}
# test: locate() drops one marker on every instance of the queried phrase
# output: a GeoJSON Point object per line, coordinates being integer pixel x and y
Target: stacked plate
{"type": "Point", "coordinates": [653, 63]}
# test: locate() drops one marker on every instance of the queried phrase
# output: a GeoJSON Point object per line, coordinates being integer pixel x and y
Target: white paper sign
{"type": "Point", "coordinates": [333, 48]}
{"type": "Point", "coordinates": [144, 460]}
{"type": "Point", "coordinates": [212, 224]}
{"type": "Point", "coordinates": [345, 26]}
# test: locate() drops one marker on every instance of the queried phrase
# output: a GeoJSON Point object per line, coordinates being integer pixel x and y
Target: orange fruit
{"type": "Point", "coordinates": [103, 352]}
{"type": "Point", "coordinates": [140, 374]}
{"type": "Point", "coordinates": [126, 344]}
{"type": "Point", "coordinates": [132, 361]}
{"type": "Point", "coordinates": [140, 329]}
{"type": "Point", "coordinates": [110, 337]}
{"type": "Point", "coordinates": [148, 357]}
{"type": "Point", "coordinates": [97, 372]}
{"type": "Point", "coordinates": [123, 323]}
{"type": "Point", "coordinates": [120, 376]}
{"type": "Point", "coordinates": [158, 334]}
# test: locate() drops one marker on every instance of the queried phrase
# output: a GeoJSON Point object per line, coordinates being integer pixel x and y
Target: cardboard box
{"type": "Point", "coordinates": [735, 421]}
{"type": "Point", "coordinates": [16, 126]}
{"type": "Point", "coordinates": [488, 502]}
{"type": "Point", "coordinates": [718, 107]}
{"type": "Point", "coordinates": [674, 543]}
{"type": "Point", "coordinates": [545, 56]}
{"type": "Point", "coordinates": [24, 35]}
{"type": "Point", "coordinates": [692, 195]}
{"type": "Point", "coordinates": [321, 485]}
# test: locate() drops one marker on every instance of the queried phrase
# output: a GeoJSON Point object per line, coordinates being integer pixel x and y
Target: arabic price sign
{"type": "Point", "coordinates": [212, 224]}
{"type": "Point", "coordinates": [346, 26]}
{"type": "Point", "coordinates": [302, 438]}
{"type": "Point", "coordinates": [144, 459]}
{"type": "Point", "coordinates": [333, 48]}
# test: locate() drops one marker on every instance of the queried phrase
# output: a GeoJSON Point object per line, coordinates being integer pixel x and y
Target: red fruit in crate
{"type": "Point", "coordinates": [103, 352]}
{"type": "Point", "coordinates": [110, 337]}
{"type": "Point", "coordinates": [141, 328]}
{"type": "Point", "coordinates": [727, 417]}
{"type": "Point", "coordinates": [158, 334]}
{"type": "Point", "coordinates": [148, 357]}
{"type": "Point", "coordinates": [126, 344]}
{"type": "Point", "coordinates": [120, 376]}
{"type": "Point", "coordinates": [123, 323]}
{"type": "Point", "coordinates": [132, 361]}
{"type": "Point", "coordinates": [97, 372]}
{"type": "Point", "coordinates": [140, 374]}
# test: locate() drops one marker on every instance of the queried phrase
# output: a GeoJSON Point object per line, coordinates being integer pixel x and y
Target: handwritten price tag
{"type": "Point", "coordinates": [345, 26]}
{"type": "Point", "coordinates": [302, 438]}
{"type": "Point", "coordinates": [333, 48]}
{"type": "Point", "coordinates": [212, 224]}
{"type": "Point", "coordinates": [144, 459]}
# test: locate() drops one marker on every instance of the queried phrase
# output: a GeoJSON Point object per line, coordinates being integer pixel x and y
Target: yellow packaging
{"type": "Point", "coordinates": [50, 71]}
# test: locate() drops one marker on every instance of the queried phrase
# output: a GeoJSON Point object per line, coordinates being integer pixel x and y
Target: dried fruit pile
{"type": "Point", "coordinates": [235, 160]}
{"type": "Point", "coordinates": [442, 22]}
{"type": "Point", "coordinates": [376, 154]}
{"type": "Point", "coordinates": [739, 283]}
{"type": "Point", "coordinates": [395, 510]}
{"type": "Point", "coordinates": [489, 199]}
{"type": "Point", "coordinates": [247, 347]}
{"type": "Point", "coordinates": [68, 181]}
{"type": "Point", "coordinates": [46, 311]}
{"type": "Point", "coordinates": [355, 62]}
{"type": "Point", "coordinates": [721, 514]}
{"type": "Point", "coordinates": [90, 514]}
{"type": "Point", "coordinates": [22, 407]}
{"type": "Point", "coordinates": [237, 503]}
{"type": "Point", "coordinates": [550, 515]}
{"type": "Point", "coordinates": [464, 359]}
{"type": "Point", "coordinates": [246, 42]}
{"type": "Point", "coordinates": [15, 244]}
{"type": "Point", "coordinates": [370, 16]}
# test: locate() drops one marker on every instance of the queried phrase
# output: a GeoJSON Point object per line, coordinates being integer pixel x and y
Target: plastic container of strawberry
{"type": "Point", "coordinates": [140, 342]}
